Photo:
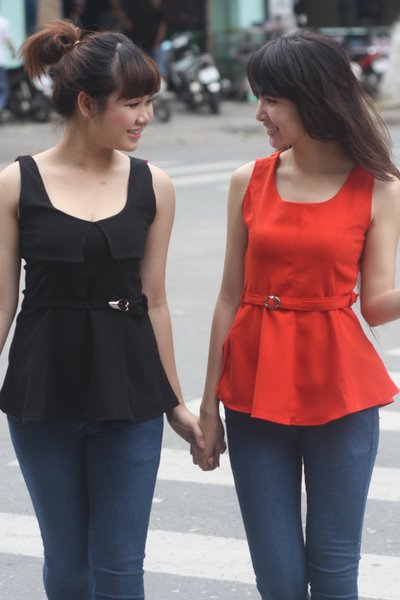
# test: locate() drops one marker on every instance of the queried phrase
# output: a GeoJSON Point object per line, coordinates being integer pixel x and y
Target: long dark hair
{"type": "Point", "coordinates": [313, 71]}
{"type": "Point", "coordinates": [99, 64]}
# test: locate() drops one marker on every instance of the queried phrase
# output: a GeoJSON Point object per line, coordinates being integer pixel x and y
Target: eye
{"type": "Point", "coordinates": [133, 104]}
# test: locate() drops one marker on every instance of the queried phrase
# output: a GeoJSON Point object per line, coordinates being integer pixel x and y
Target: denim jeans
{"type": "Point", "coordinates": [3, 87]}
{"type": "Point", "coordinates": [267, 461]}
{"type": "Point", "coordinates": [92, 487]}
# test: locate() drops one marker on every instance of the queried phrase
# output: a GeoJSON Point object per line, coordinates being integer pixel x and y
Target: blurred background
{"type": "Point", "coordinates": [229, 30]}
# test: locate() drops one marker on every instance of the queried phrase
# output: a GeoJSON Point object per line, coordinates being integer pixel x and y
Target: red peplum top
{"type": "Point", "coordinates": [296, 353]}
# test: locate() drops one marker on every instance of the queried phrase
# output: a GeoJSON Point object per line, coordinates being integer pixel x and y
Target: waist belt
{"type": "Point", "coordinates": [272, 302]}
{"type": "Point", "coordinates": [135, 306]}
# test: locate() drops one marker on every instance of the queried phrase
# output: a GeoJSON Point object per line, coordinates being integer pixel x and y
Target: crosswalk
{"type": "Point", "coordinates": [222, 556]}
{"type": "Point", "coordinates": [217, 174]}
{"type": "Point", "coordinates": [217, 557]}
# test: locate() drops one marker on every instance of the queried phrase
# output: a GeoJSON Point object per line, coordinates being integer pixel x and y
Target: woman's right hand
{"type": "Point", "coordinates": [211, 425]}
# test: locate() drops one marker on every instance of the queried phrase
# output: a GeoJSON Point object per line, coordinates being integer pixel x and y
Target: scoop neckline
{"type": "Point", "coordinates": [320, 203]}
{"type": "Point", "coordinates": [62, 212]}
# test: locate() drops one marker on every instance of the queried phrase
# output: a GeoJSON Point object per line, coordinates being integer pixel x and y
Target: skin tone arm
{"type": "Point", "coordinates": [9, 43]}
{"type": "Point", "coordinates": [226, 308]}
{"type": "Point", "coordinates": [10, 262]}
{"type": "Point", "coordinates": [380, 300]}
{"type": "Point", "coordinates": [153, 269]}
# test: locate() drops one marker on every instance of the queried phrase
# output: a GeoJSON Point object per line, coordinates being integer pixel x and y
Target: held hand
{"type": "Point", "coordinates": [186, 424]}
{"type": "Point", "coordinates": [208, 458]}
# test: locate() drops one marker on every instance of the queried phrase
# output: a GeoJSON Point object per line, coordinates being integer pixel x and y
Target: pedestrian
{"type": "Point", "coordinates": [114, 18]}
{"type": "Point", "coordinates": [91, 366]}
{"type": "Point", "coordinates": [5, 40]}
{"type": "Point", "coordinates": [300, 381]}
{"type": "Point", "coordinates": [150, 28]}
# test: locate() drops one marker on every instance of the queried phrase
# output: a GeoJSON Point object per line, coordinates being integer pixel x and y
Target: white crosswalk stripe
{"type": "Point", "coordinates": [211, 557]}
{"type": "Point", "coordinates": [216, 557]}
{"type": "Point", "coordinates": [202, 173]}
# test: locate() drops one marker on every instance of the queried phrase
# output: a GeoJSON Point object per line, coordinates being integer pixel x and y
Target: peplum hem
{"type": "Point", "coordinates": [272, 367]}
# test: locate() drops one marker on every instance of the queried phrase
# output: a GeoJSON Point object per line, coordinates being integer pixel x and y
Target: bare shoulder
{"type": "Point", "coordinates": [241, 176]}
{"type": "Point", "coordinates": [386, 200]}
{"type": "Point", "coordinates": [163, 188]}
{"type": "Point", "coordinates": [160, 177]}
{"type": "Point", "coordinates": [10, 186]}
{"type": "Point", "coordinates": [238, 185]}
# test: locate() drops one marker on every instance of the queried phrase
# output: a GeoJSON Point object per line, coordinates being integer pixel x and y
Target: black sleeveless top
{"type": "Point", "coordinates": [73, 355]}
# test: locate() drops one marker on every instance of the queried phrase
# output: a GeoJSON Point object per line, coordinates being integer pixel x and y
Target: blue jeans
{"type": "Point", "coordinates": [338, 459]}
{"type": "Point", "coordinates": [3, 87]}
{"type": "Point", "coordinates": [92, 487]}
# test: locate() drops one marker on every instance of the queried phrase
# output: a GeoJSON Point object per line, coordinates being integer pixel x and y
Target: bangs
{"type": "Point", "coordinates": [266, 75]}
{"type": "Point", "coordinates": [136, 74]}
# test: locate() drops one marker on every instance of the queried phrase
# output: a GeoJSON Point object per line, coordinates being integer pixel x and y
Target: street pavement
{"type": "Point", "coordinates": [196, 546]}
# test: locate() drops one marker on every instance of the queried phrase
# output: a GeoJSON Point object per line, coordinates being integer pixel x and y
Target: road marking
{"type": "Point", "coordinates": [393, 352]}
{"type": "Point", "coordinates": [395, 375]}
{"type": "Point", "coordinates": [203, 178]}
{"type": "Point", "coordinates": [176, 465]}
{"type": "Point", "coordinates": [204, 167]}
{"type": "Point", "coordinates": [196, 555]}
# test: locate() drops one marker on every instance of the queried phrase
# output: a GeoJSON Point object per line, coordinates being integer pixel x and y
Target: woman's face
{"type": "Point", "coordinates": [121, 124]}
{"type": "Point", "coordinates": [281, 119]}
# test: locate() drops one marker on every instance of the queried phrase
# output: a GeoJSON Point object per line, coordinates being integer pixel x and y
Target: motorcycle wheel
{"type": "Point", "coordinates": [162, 111]}
{"type": "Point", "coordinates": [214, 104]}
{"type": "Point", "coordinates": [41, 110]}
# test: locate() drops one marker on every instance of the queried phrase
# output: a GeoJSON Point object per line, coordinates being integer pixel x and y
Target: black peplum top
{"type": "Point", "coordinates": [73, 356]}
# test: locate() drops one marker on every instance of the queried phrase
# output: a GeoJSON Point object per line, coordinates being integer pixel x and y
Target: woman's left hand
{"type": "Point", "coordinates": [186, 424]}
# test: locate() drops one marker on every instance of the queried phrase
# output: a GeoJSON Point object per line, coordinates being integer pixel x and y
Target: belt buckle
{"type": "Point", "coordinates": [122, 304]}
{"type": "Point", "coordinates": [272, 302]}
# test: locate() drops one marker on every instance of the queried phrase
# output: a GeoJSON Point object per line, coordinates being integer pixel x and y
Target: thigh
{"type": "Point", "coordinates": [338, 463]}
{"type": "Point", "coordinates": [122, 461]}
{"type": "Point", "coordinates": [266, 464]}
{"type": "Point", "coordinates": [51, 458]}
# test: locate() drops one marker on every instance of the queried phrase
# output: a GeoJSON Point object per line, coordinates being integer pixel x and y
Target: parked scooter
{"type": "Point", "coordinates": [370, 69]}
{"type": "Point", "coordinates": [29, 97]}
{"type": "Point", "coordinates": [193, 75]}
{"type": "Point", "coordinates": [161, 104]}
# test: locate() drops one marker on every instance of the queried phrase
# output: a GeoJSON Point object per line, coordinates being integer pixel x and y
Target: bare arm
{"type": "Point", "coordinates": [380, 300]}
{"type": "Point", "coordinates": [226, 307]}
{"type": "Point", "coordinates": [153, 269]}
{"type": "Point", "coordinates": [9, 255]}
{"type": "Point", "coordinates": [10, 46]}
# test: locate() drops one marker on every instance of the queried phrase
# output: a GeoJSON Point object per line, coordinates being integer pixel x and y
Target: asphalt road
{"type": "Point", "coordinates": [196, 547]}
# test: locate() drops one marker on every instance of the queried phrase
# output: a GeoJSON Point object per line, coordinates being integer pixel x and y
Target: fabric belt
{"type": "Point", "coordinates": [272, 302]}
{"type": "Point", "coordinates": [134, 306]}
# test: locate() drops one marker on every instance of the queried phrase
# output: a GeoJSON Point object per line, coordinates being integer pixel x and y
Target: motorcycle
{"type": "Point", "coordinates": [29, 97]}
{"type": "Point", "coordinates": [193, 75]}
{"type": "Point", "coordinates": [369, 66]}
{"type": "Point", "coordinates": [161, 104]}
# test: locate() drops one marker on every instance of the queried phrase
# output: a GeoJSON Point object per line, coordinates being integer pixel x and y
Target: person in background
{"type": "Point", "coordinates": [5, 40]}
{"type": "Point", "coordinates": [150, 28]}
{"type": "Point", "coordinates": [115, 18]}
{"type": "Point", "coordinates": [300, 381]}
{"type": "Point", "coordinates": [78, 8]}
{"type": "Point", "coordinates": [91, 367]}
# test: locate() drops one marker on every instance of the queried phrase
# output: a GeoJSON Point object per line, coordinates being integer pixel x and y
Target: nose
{"type": "Point", "coordinates": [260, 110]}
{"type": "Point", "coordinates": [145, 115]}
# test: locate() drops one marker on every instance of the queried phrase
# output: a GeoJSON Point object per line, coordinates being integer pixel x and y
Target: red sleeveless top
{"type": "Point", "coordinates": [296, 353]}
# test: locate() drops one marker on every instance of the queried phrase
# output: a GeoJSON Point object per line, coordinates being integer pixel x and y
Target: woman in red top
{"type": "Point", "coordinates": [300, 381]}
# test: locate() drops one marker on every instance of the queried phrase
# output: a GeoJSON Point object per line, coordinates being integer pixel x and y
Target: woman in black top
{"type": "Point", "coordinates": [91, 365]}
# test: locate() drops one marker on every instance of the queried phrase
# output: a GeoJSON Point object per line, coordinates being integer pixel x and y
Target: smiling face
{"type": "Point", "coordinates": [281, 119]}
{"type": "Point", "coordinates": [120, 125]}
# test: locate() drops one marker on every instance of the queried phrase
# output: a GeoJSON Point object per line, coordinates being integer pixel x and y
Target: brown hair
{"type": "Point", "coordinates": [313, 71]}
{"type": "Point", "coordinates": [99, 64]}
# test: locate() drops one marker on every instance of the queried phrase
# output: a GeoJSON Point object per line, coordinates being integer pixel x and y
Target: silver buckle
{"type": "Point", "coordinates": [122, 305]}
{"type": "Point", "coordinates": [272, 302]}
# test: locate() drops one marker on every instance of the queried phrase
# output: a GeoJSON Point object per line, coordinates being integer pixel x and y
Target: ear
{"type": "Point", "coordinates": [86, 105]}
